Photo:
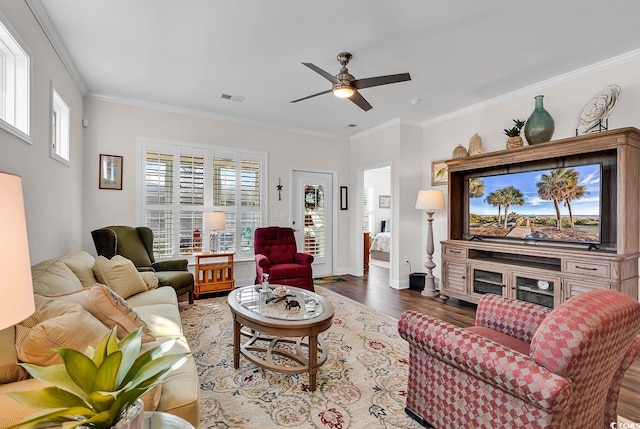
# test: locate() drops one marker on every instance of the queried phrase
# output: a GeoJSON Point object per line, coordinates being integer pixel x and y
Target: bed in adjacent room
{"type": "Point", "coordinates": [381, 243]}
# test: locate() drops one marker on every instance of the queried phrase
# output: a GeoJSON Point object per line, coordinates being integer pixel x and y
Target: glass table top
{"type": "Point", "coordinates": [298, 304]}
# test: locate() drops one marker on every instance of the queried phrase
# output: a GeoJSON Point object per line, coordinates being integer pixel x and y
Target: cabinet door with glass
{"type": "Point", "coordinates": [486, 279]}
{"type": "Point", "coordinates": [536, 287]}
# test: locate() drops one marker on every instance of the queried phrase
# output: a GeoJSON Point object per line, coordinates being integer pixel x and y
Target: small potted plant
{"type": "Point", "coordinates": [100, 387]}
{"type": "Point", "coordinates": [514, 139]}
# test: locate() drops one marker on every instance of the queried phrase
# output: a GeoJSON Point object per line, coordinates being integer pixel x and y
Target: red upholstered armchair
{"type": "Point", "coordinates": [522, 365]}
{"type": "Point", "coordinates": [277, 255]}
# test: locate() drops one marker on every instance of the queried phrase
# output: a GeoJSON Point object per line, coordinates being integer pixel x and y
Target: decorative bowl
{"type": "Point", "coordinates": [280, 291]}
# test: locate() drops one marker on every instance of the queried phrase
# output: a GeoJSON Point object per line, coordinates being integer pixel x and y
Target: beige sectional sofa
{"type": "Point", "coordinates": [71, 275]}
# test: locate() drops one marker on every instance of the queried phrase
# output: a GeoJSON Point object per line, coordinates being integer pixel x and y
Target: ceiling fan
{"type": "Point", "coordinates": [345, 85]}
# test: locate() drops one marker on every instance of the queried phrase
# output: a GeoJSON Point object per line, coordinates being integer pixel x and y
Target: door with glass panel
{"type": "Point", "coordinates": [313, 218]}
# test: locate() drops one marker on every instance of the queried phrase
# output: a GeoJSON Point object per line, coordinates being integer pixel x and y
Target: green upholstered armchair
{"type": "Point", "coordinates": [136, 244]}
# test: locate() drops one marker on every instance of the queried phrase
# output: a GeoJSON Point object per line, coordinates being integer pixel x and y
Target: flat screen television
{"type": "Point", "coordinates": [554, 205]}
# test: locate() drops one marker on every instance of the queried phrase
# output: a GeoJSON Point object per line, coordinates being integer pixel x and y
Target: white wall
{"type": "Point", "coordinates": [115, 129]}
{"type": "Point", "coordinates": [399, 145]}
{"type": "Point", "coordinates": [52, 191]}
{"type": "Point", "coordinates": [564, 98]}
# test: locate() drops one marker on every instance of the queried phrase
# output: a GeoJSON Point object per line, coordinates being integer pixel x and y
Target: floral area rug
{"type": "Point", "coordinates": [361, 385]}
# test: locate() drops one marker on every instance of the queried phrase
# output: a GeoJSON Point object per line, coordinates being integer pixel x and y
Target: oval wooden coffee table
{"type": "Point", "coordinates": [276, 329]}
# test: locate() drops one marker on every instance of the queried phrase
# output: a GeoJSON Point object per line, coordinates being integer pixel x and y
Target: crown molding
{"type": "Point", "coordinates": [50, 32]}
{"type": "Point", "coordinates": [537, 87]}
{"type": "Point", "coordinates": [207, 115]}
{"type": "Point", "coordinates": [375, 129]}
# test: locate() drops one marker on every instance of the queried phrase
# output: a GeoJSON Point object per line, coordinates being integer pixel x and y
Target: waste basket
{"type": "Point", "coordinates": [416, 281]}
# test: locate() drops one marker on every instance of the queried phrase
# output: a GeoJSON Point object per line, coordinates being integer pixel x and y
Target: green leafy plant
{"type": "Point", "coordinates": [94, 388]}
{"type": "Point", "coordinates": [515, 131]}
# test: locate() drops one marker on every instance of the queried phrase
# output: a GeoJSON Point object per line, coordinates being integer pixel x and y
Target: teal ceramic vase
{"type": "Point", "coordinates": [540, 126]}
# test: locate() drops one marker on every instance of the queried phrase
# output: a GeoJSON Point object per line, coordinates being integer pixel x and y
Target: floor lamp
{"type": "Point", "coordinates": [214, 222]}
{"type": "Point", "coordinates": [430, 200]}
{"type": "Point", "coordinates": [16, 288]}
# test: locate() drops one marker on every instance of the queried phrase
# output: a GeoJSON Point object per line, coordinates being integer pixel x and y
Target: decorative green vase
{"type": "Point", "coordinates": [540, 126]}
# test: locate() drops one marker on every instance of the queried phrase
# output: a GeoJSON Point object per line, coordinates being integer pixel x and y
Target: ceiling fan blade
{"type": "Point", "coordinates": [358, 99]}
{"type": "Point", "coordinates": [380, 80]}
{"type": "Point", "coordinates": [322, 73]}
{"type": "Point", "coordinates": [313, 95]}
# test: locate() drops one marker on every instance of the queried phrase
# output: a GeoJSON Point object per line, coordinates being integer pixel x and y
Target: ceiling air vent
{"type": "Point", "coordinates": [351, 125]}
{"type": "Point", "coordinates": [238, 98]}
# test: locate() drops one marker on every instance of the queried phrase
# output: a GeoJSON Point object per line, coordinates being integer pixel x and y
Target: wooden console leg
{"type": "Point", "coordinates": [313, 361]}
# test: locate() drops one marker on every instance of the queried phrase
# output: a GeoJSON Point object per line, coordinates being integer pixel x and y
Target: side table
{"type": "Point", "coordinates": [214, 273]}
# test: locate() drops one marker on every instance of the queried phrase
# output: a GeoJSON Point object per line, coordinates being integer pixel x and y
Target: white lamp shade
{"type": "Point", "coordinates": [16, 287]}
{"type": "Point", "coordinates": [430, 200]}
{"type": "Point", "coordinates": [215, 221]}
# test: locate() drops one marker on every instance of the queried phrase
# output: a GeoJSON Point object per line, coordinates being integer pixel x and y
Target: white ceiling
{"type": "Point", "coordinates": [459, 52]}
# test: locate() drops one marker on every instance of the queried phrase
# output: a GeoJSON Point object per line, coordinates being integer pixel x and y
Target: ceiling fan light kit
{"type": "Point", "coordinates": [343, 91]}
{"type": "Point", "coordinates": [345, 85]}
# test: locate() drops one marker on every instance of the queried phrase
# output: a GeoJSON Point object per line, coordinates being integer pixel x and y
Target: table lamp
{"type": "Point", "coordinates": [214, 222]}
{"type": "Point", "coordinates": [16, 288]}
{"type": "Point", "coordinates": [430, 200]}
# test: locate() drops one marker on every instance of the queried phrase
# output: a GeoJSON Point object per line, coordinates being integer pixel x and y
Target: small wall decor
{"type": "Point", "coordinates": [279, 188]}
{"type": "Point", "coordinates": [110, 175]}
{"type": "Point", "coordinates": [460, 152]}
{"type": "Point", "coordinates": [475, 145]}
{"type": "Point", "coordinates": [598, 110]}
{"type": "Point", "coordinates": [344, 198]}
{"type": "Point", "coordinates": [384, 202]}
{"type": "Point", "coordinates": [439, 173]}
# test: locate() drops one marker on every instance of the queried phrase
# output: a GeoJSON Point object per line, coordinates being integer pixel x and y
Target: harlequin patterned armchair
{"type": "Point", "coordinates": [522, 365]}
{"type": "Point", "coordinates": [277, 255]}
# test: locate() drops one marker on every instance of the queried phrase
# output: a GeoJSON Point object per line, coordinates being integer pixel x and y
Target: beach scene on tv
{"type": "Point", "coordinates": [561, 204]}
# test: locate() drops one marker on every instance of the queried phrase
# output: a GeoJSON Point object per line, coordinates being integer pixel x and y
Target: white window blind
{"type": "Point", "coordinates": [207, 179]}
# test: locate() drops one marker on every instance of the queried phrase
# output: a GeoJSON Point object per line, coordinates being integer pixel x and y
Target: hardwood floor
{"type": "Point", "coordinates": [374, 291]}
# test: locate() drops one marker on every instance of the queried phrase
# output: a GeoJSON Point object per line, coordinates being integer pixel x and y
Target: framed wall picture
{"type": "Point", "coordinates": [384, 202]}
{"type": "Point", "coordinates": [110, 176]}
{"type": "Point", "coordinates": [439, 173]}
{"type": "Point", "coordinates": [344, 198]}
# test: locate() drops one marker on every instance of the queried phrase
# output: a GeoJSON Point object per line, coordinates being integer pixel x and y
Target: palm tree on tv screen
{"type": "Point", "coordinates": [476, 187]}
{"type": "Point", "coordinates": [511, 196]}
{"type": "Point", "coordinates": [573, 191]}
{"type": "Point", "coordinates": [495, 198]}
{"type": "Point", "coordinates": [554, 186]}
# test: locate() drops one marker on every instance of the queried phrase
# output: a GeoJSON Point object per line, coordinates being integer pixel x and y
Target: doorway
{"type": "Point", "coordinates": [312, 218]}
{"type": "Point", "coordinates": [377, 201]}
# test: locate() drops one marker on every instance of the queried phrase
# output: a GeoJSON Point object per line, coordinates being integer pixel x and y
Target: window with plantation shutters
{"type": "Point", "coordinates": [182, 182]}
{"type": "Point", "coordinates": [159, 201]}
{"type": "Point", "coordinates": [192, 180]}
{"type": "Point", "coordinates": [314, 220]}
{"type": "Point", "coordinates": [224, 182]}
{"type": "Point", "coordinates": [367, 199]}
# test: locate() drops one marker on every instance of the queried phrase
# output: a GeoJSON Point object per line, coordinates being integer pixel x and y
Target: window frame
{"type": "Point", "coordinates": [176, 149]}
{"type": "Point", "coordinates": [62, 129]}
{"type": "Point", "coordinates": [19, 83]}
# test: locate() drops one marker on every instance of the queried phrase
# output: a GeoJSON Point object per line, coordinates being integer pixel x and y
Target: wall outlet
{"type": "Point", "coordinates": [406, 260]}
